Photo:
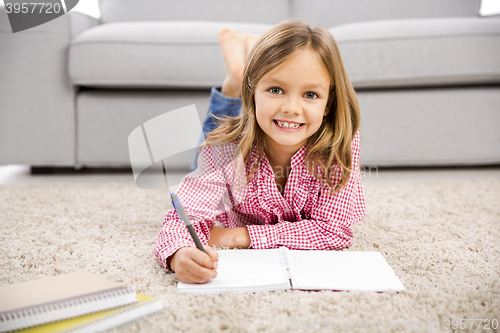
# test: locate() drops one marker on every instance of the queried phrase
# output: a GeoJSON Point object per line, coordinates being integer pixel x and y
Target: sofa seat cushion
{"type": "Point", "coordinates": [151, 54]}
{"type": "Point", "coordinates": [420, 52]}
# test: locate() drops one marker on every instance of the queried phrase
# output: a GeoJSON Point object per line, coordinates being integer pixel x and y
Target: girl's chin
{"type": "Point", "coordinates": [285, 144]}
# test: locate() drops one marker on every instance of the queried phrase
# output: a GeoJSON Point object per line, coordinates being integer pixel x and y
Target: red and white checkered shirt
{"type": "Point", "coordinates": [306, 216]}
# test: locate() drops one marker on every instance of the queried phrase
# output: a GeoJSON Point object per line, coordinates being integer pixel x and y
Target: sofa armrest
{"type": "Point", "coordinates": [37, 117]}
{"type": "Point", "coordinates": [80, 22]}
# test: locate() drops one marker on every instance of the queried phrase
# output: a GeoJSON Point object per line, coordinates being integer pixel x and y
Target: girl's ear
{"type": "Point", "coordinates": [328, 106]}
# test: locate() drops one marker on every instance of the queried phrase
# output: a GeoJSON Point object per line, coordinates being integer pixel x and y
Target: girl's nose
{"type": "Point", "coordinates": [291, 106]}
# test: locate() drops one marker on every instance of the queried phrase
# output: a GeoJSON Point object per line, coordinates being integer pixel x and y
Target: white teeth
{"type": "Point", "coordinates": [287, 125]}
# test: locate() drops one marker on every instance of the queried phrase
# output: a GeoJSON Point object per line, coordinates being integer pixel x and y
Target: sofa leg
{"type": "Point", "coordinates": [35, 170]}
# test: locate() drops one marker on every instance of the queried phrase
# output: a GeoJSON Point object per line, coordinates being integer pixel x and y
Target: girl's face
{"type": "Point", "coordinates": [291, 100]}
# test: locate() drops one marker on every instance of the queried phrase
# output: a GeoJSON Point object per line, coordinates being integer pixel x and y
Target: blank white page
{"type": "Point", "coordinates": [244, 271]}
{"type": "Point", "coordinates": [342, 270]}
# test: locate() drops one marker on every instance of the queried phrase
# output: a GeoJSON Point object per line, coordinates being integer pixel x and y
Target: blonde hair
{"type": "Point", "coordinates": [332, 141]}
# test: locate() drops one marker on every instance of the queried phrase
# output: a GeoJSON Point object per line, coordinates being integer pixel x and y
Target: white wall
{"type": "Point", "coordinates": [89, 7]}
{"type": "Point", "coordinates": [489, 7]}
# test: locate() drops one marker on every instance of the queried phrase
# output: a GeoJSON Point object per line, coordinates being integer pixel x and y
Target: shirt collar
{"type": "Point", "coordinates": [297, 160]}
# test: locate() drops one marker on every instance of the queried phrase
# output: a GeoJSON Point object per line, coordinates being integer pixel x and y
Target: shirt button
{"type": "Point", "coordinates": [263, 239]}
{"type": "Point", "coordinates": [286, 210]}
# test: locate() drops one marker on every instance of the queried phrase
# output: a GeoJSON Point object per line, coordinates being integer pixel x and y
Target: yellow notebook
{"type": "Point", "coordinates": [103, 320]}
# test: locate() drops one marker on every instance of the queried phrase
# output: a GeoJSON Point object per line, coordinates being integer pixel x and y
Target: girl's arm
{"type": "Point", "coordinates": [331, 218]}
{"type": "Point", "coordinates": [174, 235]}
{"type": "Point", "coordinates": [201, 193]}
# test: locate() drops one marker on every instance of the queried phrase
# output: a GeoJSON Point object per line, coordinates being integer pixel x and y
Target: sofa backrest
{"type": "Point", "coordinates": [329, 13]}
{"type": "Point", "coordinates": [254, 11]}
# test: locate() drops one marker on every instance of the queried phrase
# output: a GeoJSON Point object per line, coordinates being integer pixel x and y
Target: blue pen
{"type": "Point", "coordinates": [181, 213]}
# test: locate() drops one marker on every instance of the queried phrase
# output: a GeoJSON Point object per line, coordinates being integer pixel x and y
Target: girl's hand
{"type": "Point", "coordinates": [230, 237]}
{"type": "Point", "coordinates": [193, 266]}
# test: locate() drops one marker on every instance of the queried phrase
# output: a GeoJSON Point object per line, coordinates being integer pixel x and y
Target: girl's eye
{"type": "Point", "coordinates": [272, 90]}
{"type": "Point", "coordinates": [310, 93]}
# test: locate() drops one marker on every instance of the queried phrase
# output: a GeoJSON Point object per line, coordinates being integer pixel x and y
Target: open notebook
{"type": "Point", "coordinates": [274, 269]}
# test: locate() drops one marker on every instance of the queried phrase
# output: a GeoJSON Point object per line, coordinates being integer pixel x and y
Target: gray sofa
{"type": "Point", "coordinates": [427, 74]}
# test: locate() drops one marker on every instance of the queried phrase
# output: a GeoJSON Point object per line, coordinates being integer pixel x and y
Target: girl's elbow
{"type": "Point", "coordinates": [342, 239]}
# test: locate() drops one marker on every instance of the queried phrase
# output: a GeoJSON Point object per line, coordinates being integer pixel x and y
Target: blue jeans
{"type": "Point", "coordinates": [220, 105]}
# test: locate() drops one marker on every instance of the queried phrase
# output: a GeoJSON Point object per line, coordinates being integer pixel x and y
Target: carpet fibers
{"type": "Point", "coordinates": [442, 238]}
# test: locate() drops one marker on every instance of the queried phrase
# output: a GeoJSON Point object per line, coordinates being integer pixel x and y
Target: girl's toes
{"type": "Point", "coordinates": [222, 32]}
{"type": "Point", "coordinates": [249, 40]}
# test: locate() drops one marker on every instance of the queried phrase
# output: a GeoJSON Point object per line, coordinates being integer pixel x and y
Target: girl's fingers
{"type": "Point", "coordinates": [187, 280]}
{"type": "Point", "coordinates": [193, 279]}
{"type": "Point", "coordinates": [198, 274]}
{"type": "Point", "coordinates": [201, 266]}
{"type": "Point", "coordinates": [196, 266]}
{"type": "Point", "coordinates": [214, 256]}
{"type": "Point", "coordinates": [203, 259]}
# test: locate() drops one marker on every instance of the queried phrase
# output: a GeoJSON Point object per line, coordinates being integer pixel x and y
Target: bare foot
{"type": "Point", "coordinates": [249, 40]}
{"type": "Point", "coordinates": [233, 50]}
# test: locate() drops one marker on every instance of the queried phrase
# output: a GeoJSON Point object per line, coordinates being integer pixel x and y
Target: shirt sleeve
{"type": "Point", "coordinates": [202, 194]}
{"type": "Point", "coordinates": [331, 219]}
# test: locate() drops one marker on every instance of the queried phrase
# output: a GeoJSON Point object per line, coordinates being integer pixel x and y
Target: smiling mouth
{"type": "Point", "coordinates": [287, 125]}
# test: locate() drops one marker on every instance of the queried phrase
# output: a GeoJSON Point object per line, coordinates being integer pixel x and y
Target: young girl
{"type": "Point", "coordinates": [298, 133]}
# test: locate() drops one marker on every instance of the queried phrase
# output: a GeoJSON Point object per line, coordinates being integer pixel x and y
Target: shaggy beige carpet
{"type": "Point", "coordinates": [442, 238]}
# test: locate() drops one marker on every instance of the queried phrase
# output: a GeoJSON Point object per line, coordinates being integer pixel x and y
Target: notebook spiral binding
{"type": "Point", "coordinates": [125, 315]}
{"type": "Point", "coordinates": [49, 312]}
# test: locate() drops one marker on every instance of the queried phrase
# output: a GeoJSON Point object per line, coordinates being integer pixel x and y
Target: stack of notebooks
{"type": "Point", "coordinates": [74, 302]}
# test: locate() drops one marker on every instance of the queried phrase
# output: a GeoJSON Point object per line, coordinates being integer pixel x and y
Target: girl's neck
{"type": "Point", "coordinates": [279, 159]}
{"type": "Point", "coordinates": [280, 156]}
